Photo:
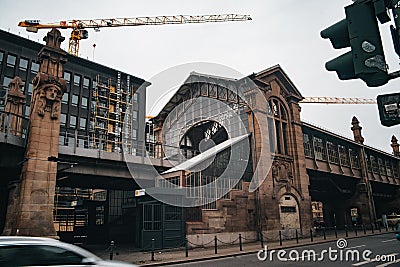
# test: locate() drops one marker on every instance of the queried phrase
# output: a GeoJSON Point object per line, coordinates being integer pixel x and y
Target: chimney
{"type": "Point", "coordinates": [395, 146]}
{"type": "Point", "coordinates": [357, 130]}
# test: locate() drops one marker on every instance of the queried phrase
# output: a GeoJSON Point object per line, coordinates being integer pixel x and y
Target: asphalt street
{"type": "Point", "coordinates": [379, 250]}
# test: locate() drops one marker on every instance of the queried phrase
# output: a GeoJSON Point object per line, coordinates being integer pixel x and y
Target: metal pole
{"type": "Point", "coordinates": [335, 231]}
{"type": "Point", "coordinates": [111, 250]}
{"type": "Point", "coordinates": [311, 236]}
{"type": "Point", "coordinates": [186, 247]}
{"type": "Point", "coordinates": [215, 244]}
{"type": "Point", "coordinates": [365, 232]}
{"type": "Point", "coordinates": [372, 228]}
{"type": "Point", "coordinates": [345, 228]}
{"type": "Point", "coordinates": [152, 249]}
{"type": "Point", "coordinates": [323, 231]}
{"type": "Point", "coordinates": [240, 242]}
{"type": "Point", "coordinates": [280, 238]}
{"type": "Point", "coordinates": [297, 237]}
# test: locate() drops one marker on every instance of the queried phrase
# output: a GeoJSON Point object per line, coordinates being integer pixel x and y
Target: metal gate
{"type": "Point", "coordinates": [163, 223]}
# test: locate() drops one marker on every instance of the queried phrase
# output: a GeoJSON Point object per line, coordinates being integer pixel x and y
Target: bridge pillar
{"type": "Point", "coordinates": [31, 212]}
{"type": "Point", "coordinates": [361, 201]}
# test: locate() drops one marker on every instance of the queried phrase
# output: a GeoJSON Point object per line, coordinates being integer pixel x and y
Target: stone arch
{"type": "Point", "coordinates": [289, 211]}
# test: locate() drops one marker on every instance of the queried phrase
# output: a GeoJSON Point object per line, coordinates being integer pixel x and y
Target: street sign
{"type": "Point", "coordinates": [389, 109]}
{"type": "Point", "coordinates": [140, 192]}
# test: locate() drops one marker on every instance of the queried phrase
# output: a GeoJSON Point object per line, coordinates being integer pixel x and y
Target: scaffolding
{"type": "Point", "coordinates": [112, 112]}
{"type": "Point", "coordinates": [66, 216]}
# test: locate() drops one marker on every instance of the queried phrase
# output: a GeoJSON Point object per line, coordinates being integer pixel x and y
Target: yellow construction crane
{"type": "Point", "coordinates": [78, 26]}
{"type": "Point", "coordinates": [337, 100]}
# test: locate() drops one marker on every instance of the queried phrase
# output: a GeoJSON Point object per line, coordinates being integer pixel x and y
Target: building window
{"type": "Point", "coordinates": [63, 119]}
{"type": "Point", "coordinates": [319, 149]}
{"type": "Point", "coordinates": [374, 164]}
{"type": "Point", "coordinates": [11, 59]}
{"type": "Point", "coordinates": [389, 168]}
{"type": "Point", "coordinates": [82, 123]}
{"type": "Point", "coordinates": [355, 160]}
{"type": "Point", "coordinates": [332, 152]}
{"type": "Point", "coordinates": [84, 102]}
{"type": "Point", "coordinates": [85, 82]}
{"type": "Point", "coordinates": [30, 88]}
{"type": "Point", "coordinates": [23, 64]}
{"type": "Point", "coordinates": [1, 57]}
{"type": "Point", "coordinates": [67, 76]}
{"type": "Point", "coordinates": [344, 158]}
{"type": "Point", "coordinates": [77, 80]}
{"type": "Point", "coordinates": [135, 97]}
{"type": "Point", "coordinates": [72, 121]}
{"type": "Point", "coordinates": [74, 100]}
{"type": "Point", "coordinates": [152, 217]}
{"type": "Point", "coordinates": [34, 67]}
{"type": "Point", "coordinates": [65, 98]}
{"type": "Point", "coordinates": [6, 82]}
{"type": "Point", "coordinates": [277, 119]}
{"type": "Point", "coordinates": [308, 152]}
{"type": "Point", "coordinates": [27, 111]}
{"type": "Point", "coordinates": [382, 167]}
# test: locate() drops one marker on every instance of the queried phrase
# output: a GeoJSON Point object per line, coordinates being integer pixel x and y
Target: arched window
{"type": "Point", "coordinates": [277, 127]}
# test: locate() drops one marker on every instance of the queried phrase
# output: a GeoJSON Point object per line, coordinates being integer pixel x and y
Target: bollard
{"type": "Point", "coordinates": [297, 237]}
{"type": "Point", "coordinates": [280, 238]}
{"type": "Point", "coordinates": [152, 249]}
{"type": "Point", "coordinates": [335, 231]}
{"type": "Point", "coordinates": [365, 232]}
{"type": "Point", "coordinates": [372, 228]}
{"type": "Point", "coordinates": [111, 250]}
{"type": "Point", "coordinates": [240, 242]}
{"type": "Point", "coordinates": [215, 244]}
{"type": "Point", "coordinates": [262, 239]}
{"type": "Point", "coordinates": [379, 228]}
{"type": "Point", "coordinates": [186, 247]}
{"type": "Point", "coordinates": [345, 229]}
{"type": "Point", "coordinates": [323, 231]}
{"type": "Point", "coordinates": [311, 237]}
{"type": "Point", "coordinates": [387, 228]}
{"type": "Point", "coordinates": [355, 229]}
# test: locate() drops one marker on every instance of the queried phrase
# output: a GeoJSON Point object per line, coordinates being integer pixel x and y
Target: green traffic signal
{"type": "Point", "coordinates": [360, 32]}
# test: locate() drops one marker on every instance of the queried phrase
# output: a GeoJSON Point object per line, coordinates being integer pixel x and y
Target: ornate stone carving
{"type": "Point", "coordinates": [282, 172]}
{"type": "Point", "coordinates": [48, 94]}
{"type": "Point", "coordinates": [282, 176]}
{"type": "Point", "coordinates": [15, 95]}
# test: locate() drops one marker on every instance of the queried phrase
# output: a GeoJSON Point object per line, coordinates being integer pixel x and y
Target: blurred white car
{"type": "Point", "coordinates": [39, 251]}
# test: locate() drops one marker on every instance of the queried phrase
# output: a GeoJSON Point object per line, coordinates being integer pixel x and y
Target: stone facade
{"type": "Point", "coordinates": [282, 201]}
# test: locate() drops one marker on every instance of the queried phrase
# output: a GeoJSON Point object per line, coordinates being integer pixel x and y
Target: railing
{"type": "Point", "coordinates": [128, 145]}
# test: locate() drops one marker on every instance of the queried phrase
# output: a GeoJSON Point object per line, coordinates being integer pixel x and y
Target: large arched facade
{"type": "Point", "coordinates": [208, 111]}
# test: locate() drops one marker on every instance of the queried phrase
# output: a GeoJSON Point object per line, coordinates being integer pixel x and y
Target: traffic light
{"type": "Point", "coordinates": [359, 31]}
{"type": "Point", "coordinates": [389, 109]}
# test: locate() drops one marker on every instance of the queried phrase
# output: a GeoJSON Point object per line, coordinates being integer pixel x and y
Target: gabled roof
{"type": "Point", "coordinates": [283, 78]}
{"type": "Point", "coordinates": [262, 76]}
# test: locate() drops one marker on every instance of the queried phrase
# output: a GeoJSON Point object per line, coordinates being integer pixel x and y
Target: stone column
{"type": "Point", "coordinates": [34, 213]}
{"type": "Point", "coordinates": [395, 146]}
{"type": "Point", "coordinates": [362, 198]}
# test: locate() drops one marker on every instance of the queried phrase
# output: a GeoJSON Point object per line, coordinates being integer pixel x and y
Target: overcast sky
{"type": "Point", "coordinates": [285, 32]}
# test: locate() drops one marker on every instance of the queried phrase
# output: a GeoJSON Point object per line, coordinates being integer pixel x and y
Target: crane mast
{"type": "Point", "coordinates": [78, 26]}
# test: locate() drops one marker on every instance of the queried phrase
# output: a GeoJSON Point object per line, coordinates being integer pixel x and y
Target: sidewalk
{"type": "Point", "coordinates": [178, 255]}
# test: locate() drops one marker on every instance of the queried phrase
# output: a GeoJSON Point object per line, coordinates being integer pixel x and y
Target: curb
{"type": "Point", "coordinates": [234, 254]}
